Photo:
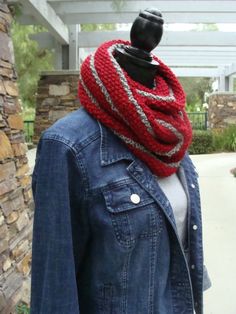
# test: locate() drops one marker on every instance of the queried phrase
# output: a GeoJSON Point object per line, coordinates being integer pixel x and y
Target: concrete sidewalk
{"type": "Point", "coordinates": [218, 198]}
{"type": "Point", "coordinates": [31, 158]}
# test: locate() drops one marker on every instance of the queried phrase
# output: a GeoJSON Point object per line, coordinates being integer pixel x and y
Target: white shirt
{"type": "Point", "coordinates": [175, 193]}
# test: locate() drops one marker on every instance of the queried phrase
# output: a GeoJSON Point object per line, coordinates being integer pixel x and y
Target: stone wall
{"type": "Point", "coordinates": [16, 205]}
{"type": "Point", "coordinates": [56, 96]}
{"type": "Point", "coordinates": [222, 109]}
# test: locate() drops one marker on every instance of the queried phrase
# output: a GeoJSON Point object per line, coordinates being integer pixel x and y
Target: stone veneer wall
{"type": "Point", "coordinates": [222, 109]}
{"type": "Point", "coordinates": [56, 97]}
{"type": "Point", "coordinates": [16, 205]}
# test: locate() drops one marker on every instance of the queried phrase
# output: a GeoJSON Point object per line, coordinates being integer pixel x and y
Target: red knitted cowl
{"type": "Point", "coordinates": [151, 122]}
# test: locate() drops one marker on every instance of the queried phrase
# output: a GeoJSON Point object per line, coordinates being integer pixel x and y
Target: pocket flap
{"type": "Point", "coordinates": [122, 196]}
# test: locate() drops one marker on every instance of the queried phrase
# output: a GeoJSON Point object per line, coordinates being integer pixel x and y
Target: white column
{"type": "Point", "coordinates": [73, 47]}
{"type": "Point", "coordinates": [57, 56]}
{"type": "Point", "coordinates": [223, 80]}
{"type": "Point", "coordinates": [231, 83]}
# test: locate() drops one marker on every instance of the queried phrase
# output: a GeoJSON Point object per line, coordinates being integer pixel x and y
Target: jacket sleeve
{"type": "Point", "coordinates": [56, 186]}
{"type": "Point", "coordinates": [206, 279]}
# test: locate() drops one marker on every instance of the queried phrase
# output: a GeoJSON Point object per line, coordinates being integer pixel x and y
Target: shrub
{"type": "Point", "coordinates": [202, 142]}
{"type": "Point", "coordinates": [225, 139]}
{"type": "Point", "coordinates": [22, 308]}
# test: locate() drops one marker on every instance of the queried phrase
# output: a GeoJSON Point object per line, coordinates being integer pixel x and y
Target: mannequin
{"type": "Point", "coordinates": [136, 60]}
{"type": "Point", "coordinates": [145, 35]}
{"type": "Point", "coordinates": [105, 240]}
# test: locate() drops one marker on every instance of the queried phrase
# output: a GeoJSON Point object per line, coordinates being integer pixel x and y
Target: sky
{"type": "Point", "coordinates": [227, 27]}
{"type": "Point", "coordinates": [182, 27]}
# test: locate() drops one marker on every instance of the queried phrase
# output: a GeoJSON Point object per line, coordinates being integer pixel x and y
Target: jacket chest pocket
{"type": "Point", "coordinates": [133, 212]}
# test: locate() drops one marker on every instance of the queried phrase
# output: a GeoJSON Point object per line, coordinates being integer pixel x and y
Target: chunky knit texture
{"type": "Point", "coordinates": [152, 122]}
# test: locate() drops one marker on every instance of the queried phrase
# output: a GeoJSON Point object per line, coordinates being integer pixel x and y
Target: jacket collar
{"type": "Point", "coordinates": [112, 149]}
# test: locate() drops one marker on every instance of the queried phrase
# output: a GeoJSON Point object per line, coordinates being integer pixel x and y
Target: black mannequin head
{"type": "Point", "coordinates": [146, 33]}
{"type": "Point", "coordinates": [147, 30]}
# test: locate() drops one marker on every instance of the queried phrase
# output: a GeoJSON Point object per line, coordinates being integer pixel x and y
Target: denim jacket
{"type": "Point", "coordinates": [94, 250]}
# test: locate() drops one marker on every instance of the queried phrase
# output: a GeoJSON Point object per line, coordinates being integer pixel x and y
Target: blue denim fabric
{"type": "Point", "coordinates": [94, 250]}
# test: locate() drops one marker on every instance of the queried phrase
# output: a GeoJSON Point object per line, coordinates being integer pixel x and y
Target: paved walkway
{"type": "Point", "coordinates": [218, 195]}
{"type": "Point", "coordinates": [31, 158]}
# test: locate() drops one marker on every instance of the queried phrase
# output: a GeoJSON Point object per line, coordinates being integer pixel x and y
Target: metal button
{"type": "Point", "coordinates": [193, 186]}
{"type": "Point", "coordinates": [195, 227]}
{"type": "Point", "coordinates": [135, 198]}
{"type": "Point", "coordinates": [193, 266]}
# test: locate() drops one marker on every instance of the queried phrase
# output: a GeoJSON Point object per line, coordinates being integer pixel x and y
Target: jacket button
{"type": "Point", "coordinates": [193, 266]}
{"type": "Point", "coordinates": [135, 198]}
{"type": "Point", "coordinates": [193, 186]}
{"type": "Point", "coordinates": [195, 227]}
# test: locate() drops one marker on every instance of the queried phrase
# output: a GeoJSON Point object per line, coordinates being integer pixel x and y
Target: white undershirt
{"type": "Point", "coordinates": [175, 193]}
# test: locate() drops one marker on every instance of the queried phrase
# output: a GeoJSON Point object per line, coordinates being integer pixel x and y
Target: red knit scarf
{"type": "Point", "coordinates": [151, 122]}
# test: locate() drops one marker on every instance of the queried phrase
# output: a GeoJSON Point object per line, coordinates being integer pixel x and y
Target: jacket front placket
{"type": "Point", "coordinates": [147, 181]}
{"type": "Point", "coordinates": [194, 233]}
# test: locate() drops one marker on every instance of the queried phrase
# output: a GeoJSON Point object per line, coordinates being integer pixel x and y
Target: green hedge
{"type": "Point", "coordinates": [202, 142]}
{"type": "Point", "coordinates": [217, 140]}
{"type": "Point", "coordinates": [225, 139]}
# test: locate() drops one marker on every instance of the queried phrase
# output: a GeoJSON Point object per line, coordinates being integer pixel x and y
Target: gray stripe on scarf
{"type": "Point", "coordinates": [176, 133]}
{"type": "Point", "coordinates": [171, 96]}
{"type": "Point", "coordinates": [142, 148]}
{"type": "Point", "coordinates": [89, 93]}
{"type": "Point", "coordinates": [125, 84]}
{"type": "Point", "coordinates": [102, 86]}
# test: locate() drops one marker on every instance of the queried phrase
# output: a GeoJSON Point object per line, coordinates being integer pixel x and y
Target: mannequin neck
{"type": "Point", "coordinates": [139, 65]}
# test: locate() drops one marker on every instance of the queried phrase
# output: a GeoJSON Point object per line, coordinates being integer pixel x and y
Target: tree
{"type": "Point", "coordinates": [30, 61]}
{"type": "Point", "coordinates": [97, 27]}
{"type": "Point", "coordinates": [118, 5]}
{"type": "Point", "coordinates": [205, 27]}
{"type": "Point", "coordinates": [195, 89]}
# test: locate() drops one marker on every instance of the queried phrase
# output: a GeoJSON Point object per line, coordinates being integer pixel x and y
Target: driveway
{"type": "Point", "coordinates": [218, 196]}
